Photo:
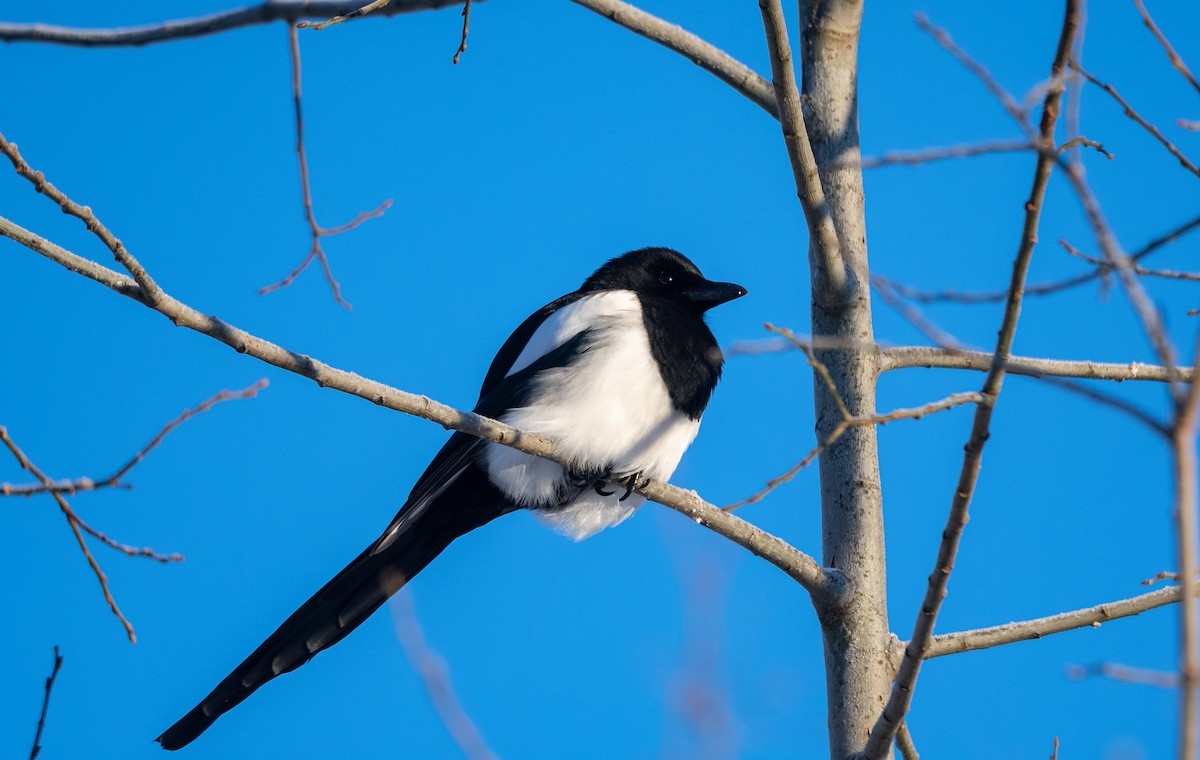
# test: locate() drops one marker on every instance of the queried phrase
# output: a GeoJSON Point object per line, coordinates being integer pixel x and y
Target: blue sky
{"type": "Point", "coordinates": [560, 140]}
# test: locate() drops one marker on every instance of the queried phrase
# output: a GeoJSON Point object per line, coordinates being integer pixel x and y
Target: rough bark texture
{"type": "Point", "coordinates": [856, 655]}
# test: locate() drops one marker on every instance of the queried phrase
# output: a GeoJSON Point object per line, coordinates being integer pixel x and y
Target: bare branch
{"type": "Point", "coordinates": [1045, 288]}
{"type": "Point", "coordinates": [368, 8]}
{"type": "Point", "coordinates": [720, 64]}
{"type": "Point", "coordinates": [37, 737]}
{"type": "Point", "coordinates": [915, 413]}
{"type": "Point", "coordinates": [897, 707]}
{"type": "Point", "coordinates": [823, 583]}
{"type": "Point", "coordinates": [829, 272]}
{"type": "Point", "coordinates": [1125, 674]}
{"type": "Point", "coordinates": [462, 46]}
{"type": "Point", "coordinates": [926, 155]}
{"type": "Point", "coordinates": [1187, 495]}
{"type": "Point", "coordinates": [263, 13]}
{"type": "Point", "coordinates": [315, 251]}
{"type": "Point", "coordinates": [905, 357]}
{"type": "Point", "coordinates": [1184, 161]}
{"type": "Point", "coordinates": [1014, 109]}
{"type": "Point", "coordinates": [905, 745]}
{"type": "Point", "coordinates": [1176, 60]}
{"type": "Point", "coordinates": [1027, 630]}
{"type": "Point", "coordinates": [75, 485]}
{"type": "Point", "coordinates": [435, 676]}
{"type": "Point", "coordinates": [74, 522]}
{"type": "Point", "coordinates": [1168, 274]}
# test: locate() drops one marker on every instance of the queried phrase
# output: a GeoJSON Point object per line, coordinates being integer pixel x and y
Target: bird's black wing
{"type": "Point", "coordinates": [516, 343]}
{"type": "Point", "coordinates": [452, 498]}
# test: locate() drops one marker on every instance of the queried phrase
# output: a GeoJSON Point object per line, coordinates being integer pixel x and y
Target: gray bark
{"type": "Point", "coordinates": [855, 634]}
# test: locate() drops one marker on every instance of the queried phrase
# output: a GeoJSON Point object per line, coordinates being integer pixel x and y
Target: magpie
{"type": "Point", "coordinates": [617, 374]}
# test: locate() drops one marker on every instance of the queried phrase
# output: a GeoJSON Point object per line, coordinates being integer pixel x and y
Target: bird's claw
{"type": "Point", "coordinates": [597, 480]}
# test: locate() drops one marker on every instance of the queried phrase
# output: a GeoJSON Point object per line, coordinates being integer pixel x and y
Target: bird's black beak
{"type": "Point", "coordinates": [712, 294]}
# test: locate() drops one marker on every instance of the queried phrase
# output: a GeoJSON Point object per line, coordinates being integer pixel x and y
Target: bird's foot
{"type": "Point", "coordinates": [630, 483]}
{"type": "Point", "coordinates": [594, 480]}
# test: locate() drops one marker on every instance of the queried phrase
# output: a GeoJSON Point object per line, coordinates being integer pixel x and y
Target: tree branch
{"type": "Point", "coordinates": [315, 251]}
{"type": "Point", "coordinates": [898, 704]}
{"type": "Point", "coordinates": [822, 583]}
{"type": "Point", "coordinates": [75, 485]}
{"type": "Point", "coordinates": [1026, 630]}
{"type": "Point", "coordinates": [929, 357]}
{"type": "Point", "coordinates": [717, 62]}
{"type": "Point", "coordinates": [263, 13]}
{"type": "Point", "coordinates": [830, 278]}
{"type": "Point", "coordinates": [1184, 161]}
{"type": "Point", "coordinates": [37, 737]}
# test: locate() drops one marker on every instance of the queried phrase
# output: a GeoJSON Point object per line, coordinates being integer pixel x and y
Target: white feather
{"type": "Point", "coordinates": [608, 411]}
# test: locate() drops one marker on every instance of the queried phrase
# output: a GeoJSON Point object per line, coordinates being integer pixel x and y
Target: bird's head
{"type": "Point", "coordinates": [666, 274]}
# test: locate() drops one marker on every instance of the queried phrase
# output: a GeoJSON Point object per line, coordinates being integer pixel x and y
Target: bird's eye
{"type": "Point", "coordinates": [665, 278]}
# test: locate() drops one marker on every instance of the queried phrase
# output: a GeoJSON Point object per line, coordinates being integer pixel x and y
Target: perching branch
{"type": "Point", "coordinates": [897, 707]}
{"type": "Point", "coordinates": [825, 584]}
{"type": "Point", "coordinates": [263, 13]}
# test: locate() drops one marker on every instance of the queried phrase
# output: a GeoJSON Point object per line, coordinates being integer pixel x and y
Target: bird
{"type": "Point", "coordinates": [617, 374]}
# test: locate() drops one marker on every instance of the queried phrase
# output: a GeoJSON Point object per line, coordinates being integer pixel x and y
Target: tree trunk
{"type": "Point", "coordinates": [857, 673]}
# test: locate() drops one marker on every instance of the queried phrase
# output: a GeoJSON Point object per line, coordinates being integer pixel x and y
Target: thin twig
{"type": "Point", "coordinates": [1176, 60]}
{"type": "Point", "coordinates": [435, 677]}
{"type": "Point", "coordinates": [1039, 628]}
{"type": "Point", "coordinates": [37, 737]}
{"type": "Point", "coordinates": [1006, 99]}
{"type": "Point", "coordinates": [363, 11]}
{"type": "Point", "coordinates": [1044, 288]}
{"type": "Point", "coordinates": [1184, 161]}
{"type": "Point", "coordinates": [73, 486]}
{"type": "Point", "coordinates": [926, 155]}
{"type": "Point", "coordinates": [74, 522]}
{"type": "Point", "coordinates": [200, 26]}
{"type": "Point", "coordinates": [1169, 274]}
{"type": "Point", "coordinates": [848, 420]}
{"type": "Point", "coordinates": [1125, 674]}
{"type": "Point", "coordinates": [462, 46]}
{"type": "Point", "coordinates": [884, 731]}
{"type": "Point", "coordinates": [315, 251]}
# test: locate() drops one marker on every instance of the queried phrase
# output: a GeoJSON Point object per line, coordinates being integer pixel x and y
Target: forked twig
{"type": "Point", "coordinates": [315, 251]}
{"type": "Point", "coordinates": [848, 420]}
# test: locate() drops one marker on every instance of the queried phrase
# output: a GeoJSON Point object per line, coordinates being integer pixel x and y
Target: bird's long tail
{"type": "Point", "coordinates": [349, 599]}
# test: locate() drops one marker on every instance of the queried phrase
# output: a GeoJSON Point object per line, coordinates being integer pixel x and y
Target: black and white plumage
{"type": "Point", "coordinates": [617, 374]}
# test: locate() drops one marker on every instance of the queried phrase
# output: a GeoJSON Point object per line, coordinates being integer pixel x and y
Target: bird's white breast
{"type": "Point", "coordinates": [608, 410]}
